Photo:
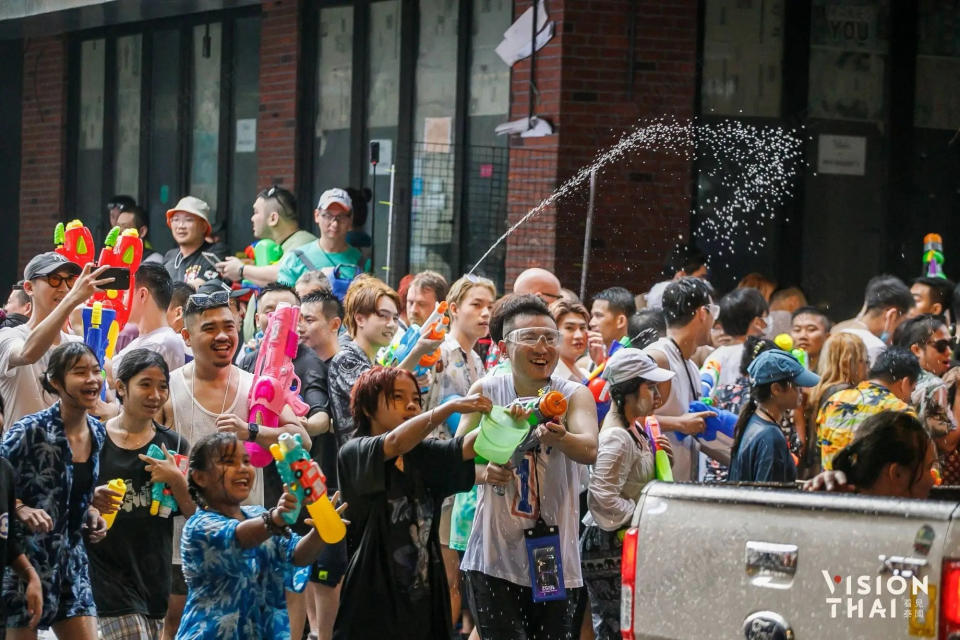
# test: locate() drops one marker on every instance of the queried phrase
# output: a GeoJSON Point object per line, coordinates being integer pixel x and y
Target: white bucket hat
{"type": "Point", "coordinates": [194, 206]}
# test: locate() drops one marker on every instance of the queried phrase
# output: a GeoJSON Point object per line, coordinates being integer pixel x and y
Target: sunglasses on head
{"type": "Point", "coordinates": [208, 300]}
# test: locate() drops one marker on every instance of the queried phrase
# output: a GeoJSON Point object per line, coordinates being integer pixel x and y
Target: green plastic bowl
{"type": "Point", "coordinates": [500, 435]}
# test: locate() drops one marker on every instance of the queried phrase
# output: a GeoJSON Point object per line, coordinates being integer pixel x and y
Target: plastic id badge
{"type": "Point", "coordinates": [546, 565]}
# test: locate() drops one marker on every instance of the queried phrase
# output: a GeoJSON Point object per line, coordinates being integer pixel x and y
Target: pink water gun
{"type": "Point", "coordinates": [274, 382]}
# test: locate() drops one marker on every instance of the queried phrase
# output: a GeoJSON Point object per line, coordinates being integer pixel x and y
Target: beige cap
{"type": "Point", "coordinates": [194, 206]}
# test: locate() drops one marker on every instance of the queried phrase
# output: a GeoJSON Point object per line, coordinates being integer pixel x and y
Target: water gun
{"type": "Point", "coordinates": [709, 378]}
{"type": "Point", "coordinates": [434, 328]}
{"type": "Point", "coordinates": [162, 502]}
{"type": "Point", "coordinates": [120, 249]}
{"type": "Point", "coordinates": [96, 319]}
{"type": "Point", "coordinates": [303, 477]}
{"type": "Point", "coordinates": [74, 242]}
{"type": "Point", "coordinates": [933, 255]}
{"type": "Point", "coordinates": [785, 342]}
{"type": "Point", "coordinates": [660, 458]}
{"type": "Point", "coordinates": [597, 385]}
{"type": "Point", "coordinates": [723, 422]}
{"type": "Point", "coordinates": [548, 407]}
{"type": "Point", "coordinates": [274, 382]}
{"type": "Point", "coordinates": [263, 253]}
{"type": "Point", "coordinates": [119, 486]}
{"type": "Point", "coordinates": [453, 420]}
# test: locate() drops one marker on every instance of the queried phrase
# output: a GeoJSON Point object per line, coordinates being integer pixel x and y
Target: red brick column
{"type": "Point", "coordinates": [276, 125]}
{"type": "Point", "coordinates": [43, 144]}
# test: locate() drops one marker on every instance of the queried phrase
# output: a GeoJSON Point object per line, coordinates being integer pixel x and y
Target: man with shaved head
{"type": "Point", "coordinates": [540, 283]}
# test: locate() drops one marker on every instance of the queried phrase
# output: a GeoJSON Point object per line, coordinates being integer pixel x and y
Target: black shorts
{"type": "Point", "coordinates": [503, 610]}
{"type": "Point", "coordinates": [328, 569]}
{"type": "Point", "coordinates": [178, 586]}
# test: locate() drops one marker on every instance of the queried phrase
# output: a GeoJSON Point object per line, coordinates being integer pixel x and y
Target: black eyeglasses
{"type": "Point", "coordinates": [208, 300]}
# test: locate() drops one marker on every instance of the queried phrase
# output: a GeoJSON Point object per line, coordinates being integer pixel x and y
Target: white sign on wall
{"type": "Point", "coordinates": [843, 155]}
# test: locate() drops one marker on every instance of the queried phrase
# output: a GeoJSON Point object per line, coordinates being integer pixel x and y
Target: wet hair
{"type": "Point", "coordinates": [683, 298]}
{"type": "Point", "coordinates": [887, 291]}
{"type": "Point", "coordinates": [684, 258]}
{"type": "Point", "coordinates": [158, 282]}
{"type": "Point", "coordinates": [317, 279]}
{"type": "Point", "coordinates": [647, 325]}
{"type": "Point", "coordinates": [362, 297]}
{"type": "Point", "coordinates": [895, 363]}
{"type": "Point", "coordinates": [373, 384]}
{"type": "Point", "coordinates": [886, 437]}
{"type": "Point", "coordinates": [62, 359]}
{"type": "Point", "coordinates": [813, 311]}
{"type": "Point", "coordinates": [330, 305]}
{"type": "Point", "coordinates": [513, 306]}
{"type": "Point", "coordinates": [180, 293]}
{"type": "Point", "coordinates": [210, 450]}
{"type": "Point", "coordinates": [941, 291]}
{"type": "Point", "coordinates": [738, 309]}
{"type": "Point", "coordinates": [619, 300]}
{"type": "Point", "coordinates": [917, 330]}
{"type": "Point", "coordinates": [276, 286]}
{"type": "Point", "coordinates": [281, 201]}
{"type": "Point", "coordinates": [752, 347]}
{"type": "Point", "coordinates": [433, 281]}
{"type": "Point", "coordinates": [135, 361]}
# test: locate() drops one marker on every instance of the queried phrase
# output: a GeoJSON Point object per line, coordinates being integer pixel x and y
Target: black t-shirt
{"type": "Point", "coordinates": [202, 263]}
{"type": "Point", "coordinates": [82, 481]}
{"type": "Point", "coordinates": [312, 372]}
{"type": "Point", "coordinates": [130, 568]}
{"type": "Point", "coordinates": [11, 531]}
{"type": "Point", "coordinates": [395, 585]}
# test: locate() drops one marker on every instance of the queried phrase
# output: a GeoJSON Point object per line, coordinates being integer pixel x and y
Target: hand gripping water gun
{"type": "Point", "coordinates": [274, 382]}
{"type": "Point", "coordinates": [660, 458]}
{"type": "Point", "coordinates": [785, 342]}
{"type": "Point", "coordinates": [74, 242]}
{"type": "Point", "coordinates": [120, 249]}
{"type": "Point", "coordinates": [435, 328]}
{"type": "Point", "coordinates": [119, 486]}
{"type": "Point", "coordinates": [501, 436]}
{"type": "Point", "coordinates": [162, 502]}
{"type": "Point", "coordinates": [305, 480]}
{"type": "Point", "coordinates": [933, 255]}
{"type": "Point", "coordinates": [723, 422]}
{"type": "Point", "coordinates": [598, 385]}
{"type": "Point", "coordinates": [96, 319]}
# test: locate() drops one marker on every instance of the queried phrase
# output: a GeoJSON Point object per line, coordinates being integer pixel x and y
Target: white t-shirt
{"type": "Point", "coordinates": [655, 295]}
{"type": "Point", "coordinates": [165, 341]}
{"type": "Point", "coordinates": [725, 363]}
{"type": "Point", "coordinates": [20, 386]}
{"type": "Point", "coordinates": [875, 345]}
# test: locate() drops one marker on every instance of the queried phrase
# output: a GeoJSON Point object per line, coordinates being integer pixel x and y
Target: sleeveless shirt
{"type": "Point", "coordinates": [496, 546]}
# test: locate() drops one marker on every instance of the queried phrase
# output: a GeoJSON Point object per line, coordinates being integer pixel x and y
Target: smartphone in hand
{"type": "Point", "coordinates": [121, 279]}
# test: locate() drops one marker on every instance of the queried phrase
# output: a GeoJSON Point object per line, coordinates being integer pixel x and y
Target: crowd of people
{"type": "Point", "coordinates": [441, 543]}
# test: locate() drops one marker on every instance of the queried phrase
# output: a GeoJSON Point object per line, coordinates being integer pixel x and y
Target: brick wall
{"type": "Point", "coordinates": [43, 144]}
{"type": "Point", "coordinates": [642, 203]}
{"type": "Point", "coordinates": [276, 125]}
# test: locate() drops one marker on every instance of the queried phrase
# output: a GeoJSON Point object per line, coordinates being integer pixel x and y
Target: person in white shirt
{"type": "Point", "coordinates": [886, 303]}
{"type": "Point", "coordinates": [684, 261]}
{"type": "Point", "coordinates": [743, 312]}
{"type": "Point", "coordinates": [56, 287]}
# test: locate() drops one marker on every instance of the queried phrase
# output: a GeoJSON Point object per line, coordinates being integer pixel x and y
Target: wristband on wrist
{"type": "Point", "coordinates": [253, 430]}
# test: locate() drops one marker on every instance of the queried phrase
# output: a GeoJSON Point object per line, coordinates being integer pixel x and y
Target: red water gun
{"type": "Point", "coordinates": [274, 382]}
{"type": "Point", "coordinates": [74, 242]}
{"type": "Point", "coordinates": [125, 250]}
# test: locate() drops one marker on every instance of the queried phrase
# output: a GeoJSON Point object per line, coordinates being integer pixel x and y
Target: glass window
{"type": "Point", "coordinates": [207, 43]}
{"type": "Point", "coordinates": [937, 104]}
{"type": "Point", "coordinates": [246, 106]}
{"type": "Point", "coordinates": [383, 115]}
{"type": "Point", "coordinates": [334, 91]}
{"type": "Point", "coordinates": [126, 178]}
{"type": "Point", "coordinates": [90, 203]}
{"type": "Point", "coordinates": [849, 42]}
{"type": "Point", "coordinates": [434, 119]}
{"type": "Point", "coordinates": [163, 181]}
{"type": "Point", "coordinates": [742, 55]}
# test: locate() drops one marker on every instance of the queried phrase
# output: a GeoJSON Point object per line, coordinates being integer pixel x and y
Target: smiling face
{"type": "Point", "coordinates": [144, 394]}
{"type": "Point", "coordinates": [81, 382]}
{"type": "Point", "coordinates": [378, 328]}
{"type": "Point", "coordinates": [472, 315]}
{"type": "Point", "coordinates": [187, 229]}
{"type": "Point", "coordinates": [934, 354]}
{"type": "Point", "coordinates": [573, 336]}
{"type": "Point", "coordinates": [229, 480]}
{"type": "Point", "coordinates": [404, 403]}
{"type": "Point", "coordinates": [212, 335]}
{"type": "Point", "coordinates": [46, 297]}
{"type": "Point", "coordinates": [532, 362]}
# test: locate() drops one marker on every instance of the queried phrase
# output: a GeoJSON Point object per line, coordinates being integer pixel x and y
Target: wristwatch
{"type": "Point", "coordinates": [253, 430]}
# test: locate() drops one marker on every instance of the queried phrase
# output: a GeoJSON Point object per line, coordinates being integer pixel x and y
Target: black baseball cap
{"type": "Point", "coordinates": [47, 263]}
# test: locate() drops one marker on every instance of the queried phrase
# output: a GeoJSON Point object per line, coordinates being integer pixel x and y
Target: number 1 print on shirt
{"type": "Point", "coordinates": [526, 503]}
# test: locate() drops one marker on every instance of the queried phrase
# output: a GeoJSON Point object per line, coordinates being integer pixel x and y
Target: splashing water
{"type": "Point", "coordinates": [766, 162]}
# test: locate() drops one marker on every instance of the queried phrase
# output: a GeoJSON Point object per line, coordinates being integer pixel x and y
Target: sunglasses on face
{"type": "Point", "coordinates": [943, 345]}
{"type": "Point", "coordinates": [55, 280]}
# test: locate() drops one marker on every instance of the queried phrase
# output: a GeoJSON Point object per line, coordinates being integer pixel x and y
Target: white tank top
{"type": "Point", "coordinates": [685, 454]}
{"type": "Point", "coordinates": [496, 546]}
{"type": "Point", "coordinates": [194, 422]}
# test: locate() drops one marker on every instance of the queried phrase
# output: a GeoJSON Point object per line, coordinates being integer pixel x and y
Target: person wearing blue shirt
{"type": "Point", "coordinates": [760, 452]}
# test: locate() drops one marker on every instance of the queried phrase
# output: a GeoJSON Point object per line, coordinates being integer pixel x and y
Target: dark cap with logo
{"type": "Point", "coordinates": [47, 263]}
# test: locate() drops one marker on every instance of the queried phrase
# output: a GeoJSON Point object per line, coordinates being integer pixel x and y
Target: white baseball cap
{"type": "Point", "coordinates": [628, 364]}
{"type": "Point", "coordinates": [335, 196]}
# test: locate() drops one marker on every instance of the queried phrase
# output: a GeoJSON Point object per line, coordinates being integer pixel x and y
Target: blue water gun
{"type": "Point", "coordinates": [723, 422]}
{"type": "Point", "coordinates": [96, 320]}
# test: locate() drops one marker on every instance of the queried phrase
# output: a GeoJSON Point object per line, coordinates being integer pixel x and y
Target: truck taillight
{"type": "Point", "coordinates": [628, 579]}
{"type": "Point", "coordinates": [950, 599]}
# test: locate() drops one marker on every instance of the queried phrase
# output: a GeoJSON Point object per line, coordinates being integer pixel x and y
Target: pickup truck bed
{"type": "Point", "coordinates": [729, 561]}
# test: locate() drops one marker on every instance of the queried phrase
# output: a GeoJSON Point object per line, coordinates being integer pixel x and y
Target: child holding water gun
{"type": "Point", "coordinates": [395, 481]}
{"type": "Point", "coordinates": [237, 559]}
{"type": "Point", "coordinates": [131, 574]}
{"type": "Point", "coordinates": [625, 463]}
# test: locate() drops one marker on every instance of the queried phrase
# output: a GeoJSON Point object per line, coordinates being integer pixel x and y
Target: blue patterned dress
{"type": "Point", "coordinates": [37, 448]}
{"type": "Point", "coordinates": [235, 593]}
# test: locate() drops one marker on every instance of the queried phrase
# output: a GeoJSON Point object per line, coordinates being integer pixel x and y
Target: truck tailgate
{"type": "Point", "coordinates": [713, 561]}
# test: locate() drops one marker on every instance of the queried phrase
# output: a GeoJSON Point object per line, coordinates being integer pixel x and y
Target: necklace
{"type": "Point", "coordinates": [767, 414]}
{"type": "Point", "coordinates": [195, 402]}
